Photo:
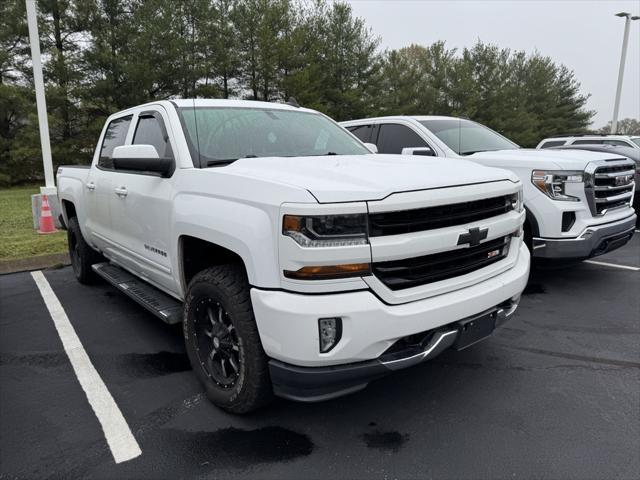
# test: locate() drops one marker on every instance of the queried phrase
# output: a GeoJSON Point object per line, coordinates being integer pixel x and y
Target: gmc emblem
{"type": "Point", "coordinates": [623, 180]}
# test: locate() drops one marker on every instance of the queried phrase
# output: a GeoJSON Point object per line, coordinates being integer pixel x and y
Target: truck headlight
{"type": "Point", "coordinates": [326, 230]}
{"type": "Point", "coordinates": [553, 183]}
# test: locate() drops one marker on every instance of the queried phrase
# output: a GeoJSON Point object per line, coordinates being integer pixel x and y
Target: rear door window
{"type": "Point", "coordinates": [617, 143]}
{"type": "Point", "coordinates": [588, 142]}
{"type": "Point", "coordinates": [115, 136]}
{"type": "Point", "coordinates": [393, 138]}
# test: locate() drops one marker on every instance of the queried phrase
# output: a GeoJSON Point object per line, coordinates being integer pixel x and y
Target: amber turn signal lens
{"type": "Point", "coordinates": [330, 272]}
{"type": "Point", "coordinates": [291, 223]}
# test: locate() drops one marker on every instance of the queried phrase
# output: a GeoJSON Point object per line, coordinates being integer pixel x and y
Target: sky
{"type": "Point", "coordinates": [584, 35]}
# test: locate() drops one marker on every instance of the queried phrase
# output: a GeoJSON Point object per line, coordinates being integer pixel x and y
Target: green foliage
{"type": "Point", "coordinates": [525, 97]}
{"type": "Point", "coordinates": [101, 56]}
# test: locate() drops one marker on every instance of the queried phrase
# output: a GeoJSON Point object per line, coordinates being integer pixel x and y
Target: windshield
{"type": "Point", "coordinates": [223, 134]}
{"type": "Point", "coordinates": [636, 140]}
{"type": "Point", "coordinates": [466, 137]}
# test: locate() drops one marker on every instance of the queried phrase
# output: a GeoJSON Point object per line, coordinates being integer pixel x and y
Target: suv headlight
{"type": "Point", "coordinates": [326, 230]}
{"type": "Point", "coordinates": [553, 183]}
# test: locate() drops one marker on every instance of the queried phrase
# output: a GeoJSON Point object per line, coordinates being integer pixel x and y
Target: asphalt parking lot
{"type": "Point", "coordinates": [555, 393]}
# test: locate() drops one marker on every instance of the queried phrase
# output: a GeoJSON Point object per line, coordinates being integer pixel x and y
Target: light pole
{"type": "Point", "coordinates": [41, 104]}
{"type": "Point", "coordinates": [623, 56]}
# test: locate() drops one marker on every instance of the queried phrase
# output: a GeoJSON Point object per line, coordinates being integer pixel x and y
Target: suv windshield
{"type": "Point", "coordinates": [223, 134]}
{"type": "Point", "coordinates": [466, 137]}
{"type": "Point", "coordinates": [636, 140]}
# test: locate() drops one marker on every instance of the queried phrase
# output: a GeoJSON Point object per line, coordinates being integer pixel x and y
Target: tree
{"type": "Point", "coordinates": [627, 126]}
{"type": "Point", "coordinates": [525, 97]}
{"type": "Point", "coordinates": [347, 60]}
{"type": "Point", "coordinates": [102, 56]}
{"type": "Point", "coordinates": [415, 80]}
{"type": "Point", "coordinates": [262, 27]}
{"type": "Point", "coordinates": [220, 49]}
{"type": "Point", "coordinates": [18, 144]}
{"type": "Point", "coordinates": [62, 28]}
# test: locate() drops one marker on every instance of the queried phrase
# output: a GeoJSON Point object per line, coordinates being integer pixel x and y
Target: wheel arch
{"type": "Point", "coordinates": [197, 254]}
{"type": "Point", "coordinates": [68, 210]}
{"type": "Point", "coordinates": [532, 223]}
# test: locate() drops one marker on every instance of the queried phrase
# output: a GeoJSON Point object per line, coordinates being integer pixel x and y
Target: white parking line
{"type": "Point", "coordinates": [605, 264]}
{"type": "Point", "coordinates": [121, 441]}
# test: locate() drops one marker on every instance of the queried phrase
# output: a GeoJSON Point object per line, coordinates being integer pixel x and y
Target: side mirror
{"type": "Point", "coordinates": [141, 158]}
{"type": "Point", "coordinates": [372, 147]}
{"type": "Point", "coordinates": [425, 151]}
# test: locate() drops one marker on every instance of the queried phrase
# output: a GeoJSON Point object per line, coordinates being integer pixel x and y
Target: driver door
{"type": "Point", "coordinates": [141, 207]}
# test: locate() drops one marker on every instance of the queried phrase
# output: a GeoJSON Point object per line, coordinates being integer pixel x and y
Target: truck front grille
{"type": "Point", "coordinates": [441, 216]}
{"type": "Point", "coordinates": [411, 272]}
{"type": "Point", "coordinates": [610, 186]}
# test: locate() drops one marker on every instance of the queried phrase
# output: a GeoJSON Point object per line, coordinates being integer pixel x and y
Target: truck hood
{"type": "Point", "coordinates": [349, 178]}
{"type": "Point", "coordinates": [543, 159]}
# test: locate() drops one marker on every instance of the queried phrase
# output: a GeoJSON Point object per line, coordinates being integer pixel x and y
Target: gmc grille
{"type": "Point", "coordinates": [430, 218]}
{"type": "Point", "coordinates": [411, 272]}
{"type": "Point", "coordinates": [610, 187]}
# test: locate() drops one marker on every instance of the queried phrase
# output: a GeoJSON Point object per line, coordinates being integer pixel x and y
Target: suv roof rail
{"type": "Point", "coordinates": [563, 135]}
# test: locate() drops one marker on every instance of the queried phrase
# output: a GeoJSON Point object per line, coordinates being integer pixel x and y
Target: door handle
{"type": "Point", "coordinates": [91, 186]}
{"type": "Point", "coordinates": [121, 191]}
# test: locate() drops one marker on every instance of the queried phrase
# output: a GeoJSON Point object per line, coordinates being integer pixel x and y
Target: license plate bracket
{"type": "Point", "coordinates": [472, 330]}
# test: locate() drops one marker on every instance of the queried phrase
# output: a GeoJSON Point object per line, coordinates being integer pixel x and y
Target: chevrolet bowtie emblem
{"type": "Point", "coordinates": [474, 236]}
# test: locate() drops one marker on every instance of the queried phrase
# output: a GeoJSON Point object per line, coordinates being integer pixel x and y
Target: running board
{"type": "Point", "coordinates": [167, 308]}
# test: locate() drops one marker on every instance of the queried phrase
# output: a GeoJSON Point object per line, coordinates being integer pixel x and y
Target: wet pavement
{"type": "Point", "coordinates": [555, 393]}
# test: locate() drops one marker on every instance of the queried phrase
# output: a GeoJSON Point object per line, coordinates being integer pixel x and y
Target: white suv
{"type": "Point", "coordinates": [632, 141]}
{"type": "Point", "coordinates": [578, 203]}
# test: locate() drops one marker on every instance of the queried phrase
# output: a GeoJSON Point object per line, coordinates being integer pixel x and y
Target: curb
{"type": "Point", "coordinates": [56, 260]}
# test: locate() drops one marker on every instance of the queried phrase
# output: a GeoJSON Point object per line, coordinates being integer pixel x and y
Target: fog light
{"type": "Point", "coordinates": [330, 331]}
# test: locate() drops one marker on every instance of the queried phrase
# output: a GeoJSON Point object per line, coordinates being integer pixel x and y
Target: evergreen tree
{"type": "Point", "coordinates": [101, 56]}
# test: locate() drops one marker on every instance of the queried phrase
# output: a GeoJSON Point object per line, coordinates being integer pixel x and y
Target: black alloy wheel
{"type": "Point", "coordinates": [217, 345]}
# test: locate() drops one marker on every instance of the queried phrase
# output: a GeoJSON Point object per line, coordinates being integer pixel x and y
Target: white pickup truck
{"type": "Point", "coordinates": [298, 263]}
{"type": "Point", "coordinates": [578, 203]}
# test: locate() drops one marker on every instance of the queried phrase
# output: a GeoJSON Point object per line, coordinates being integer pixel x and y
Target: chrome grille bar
{"type": "Point", "coordinates": [609, 184]}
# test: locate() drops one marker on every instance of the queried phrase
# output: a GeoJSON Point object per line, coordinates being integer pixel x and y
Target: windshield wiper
{"type": "Point", "coordinates": [220, 161]}
{"type": "Point", "coordinates": [471, 152]}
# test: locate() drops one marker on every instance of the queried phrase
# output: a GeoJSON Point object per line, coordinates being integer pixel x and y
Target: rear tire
{"type": "Point", "coordinates": [223, 342]}
{"type": "Point", "coordinates": [81, 254]}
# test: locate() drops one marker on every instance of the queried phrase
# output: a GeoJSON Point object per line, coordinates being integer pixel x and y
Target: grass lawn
{"type": "Point", "coordinates": [18, 239]}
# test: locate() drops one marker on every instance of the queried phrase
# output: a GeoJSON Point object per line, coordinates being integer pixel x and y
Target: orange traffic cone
{"type": "Point", "coordinates": [46, 220]}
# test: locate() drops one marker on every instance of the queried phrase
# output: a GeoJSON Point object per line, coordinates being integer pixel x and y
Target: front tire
{"type": "Point", "coordinates": [223, 342]}
{"type": "Point", "coordinates": [81, 254]}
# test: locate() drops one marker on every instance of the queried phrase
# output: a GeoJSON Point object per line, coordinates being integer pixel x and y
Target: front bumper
{"type": "Point", "coordinates": [594, 241]}
{"type": "Point", "coordinates": [288, 327]}
{"type": "Point", "coordinates": [314, 384]}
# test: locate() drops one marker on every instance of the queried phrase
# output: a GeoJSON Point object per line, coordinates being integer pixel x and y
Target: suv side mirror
{"type": "Point", "coordinates": [141, 158]}
{"type": "Point", "coordinates": [425, 151]}
{"type": "Point", "coordinates": [372, 147]}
